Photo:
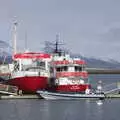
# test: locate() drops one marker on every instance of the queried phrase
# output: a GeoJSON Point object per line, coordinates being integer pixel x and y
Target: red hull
{"type": "Point", "coordinates": [29, 83]}
{"type": "Point", "coordinates": [72, 88]}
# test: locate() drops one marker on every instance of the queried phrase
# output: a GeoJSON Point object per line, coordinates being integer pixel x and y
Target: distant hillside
{"type": "Point", "coordinates": [98, 63]}
{"type": "Point", "coordinates": [50, 47]}
{"type": "Point", "coordinates": [92, 62]}
{"type": "Point", "coordinates": [5, 60]}
{"type": "Point", "coordinates": [5, 57]}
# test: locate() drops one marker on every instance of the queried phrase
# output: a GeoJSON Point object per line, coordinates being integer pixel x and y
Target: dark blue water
{"type": "Point", "coordinates": [38, 109]}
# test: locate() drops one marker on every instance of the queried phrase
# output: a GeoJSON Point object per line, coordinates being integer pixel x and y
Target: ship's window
{"type": "Point", "coordinates": [41, 63]}
{"type": "Point", "coordinates": [78, 68]}
{"type": "Point", "coordinates": [62, 68]}
{"type": "Point", "coordinates": [58, 69]}
{"type": "Point", "coordinates": [65, 68]}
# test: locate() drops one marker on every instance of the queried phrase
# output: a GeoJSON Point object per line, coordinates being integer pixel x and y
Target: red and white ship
{"type": "Point", "coordinates": [69, 78]}
{"type": "Point", "coordinates": [30, 71]}
{"type": "Point", "coordinates": [70, 74]}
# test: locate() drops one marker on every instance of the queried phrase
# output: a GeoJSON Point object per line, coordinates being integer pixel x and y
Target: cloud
{"type": "Point", "coordinates": [113, 35]}
{"type": "Point", "coordinates": [86, 26]}
{"type": "Point", "coordinates": [6, 9]}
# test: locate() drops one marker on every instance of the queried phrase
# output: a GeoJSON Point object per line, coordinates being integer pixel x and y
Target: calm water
{"type": "Point", "coordinates": [63, 109]}
{"type": "Point", "coordinates": [59, 110]}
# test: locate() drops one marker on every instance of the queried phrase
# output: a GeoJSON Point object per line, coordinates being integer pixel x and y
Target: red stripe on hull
{"type": "Point", "coordinates": [31, 55]}
{"type": "Point", "coordinates": [74, 74]}
{"type": "Point", "coordinates": [29, 84]}
{"type": "Point", "coordinates": [72, 88]}
{"type": "Point", "coordinates": [81, 62]}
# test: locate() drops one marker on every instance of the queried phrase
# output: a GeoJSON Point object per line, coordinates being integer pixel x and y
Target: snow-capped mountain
{"type": "Point", "coordinates": [99, 63]}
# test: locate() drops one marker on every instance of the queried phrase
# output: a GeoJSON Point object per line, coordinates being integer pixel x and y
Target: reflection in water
{"type": "Point", "coordinates": [59, 110]}
{"type": "Point", "coordinates": [99, 109]}
{"type": "Point", "coordinates": [69, 110]}
{"type": "Point", "coordinates": [99, 102]}
{"type": "Point", "coordinates": [93, 110]}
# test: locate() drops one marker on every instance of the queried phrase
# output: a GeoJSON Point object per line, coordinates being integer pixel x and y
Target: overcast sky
{"type": "Point", "coordinates": [88, 27]}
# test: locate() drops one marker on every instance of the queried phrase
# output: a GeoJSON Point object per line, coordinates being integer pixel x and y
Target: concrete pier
{"type": "Point", "coordinates": [110, 96]}
{"type": "Point", "coordinates": [7, 97]}
{"type": "Point", "coordinates": [19, 97]}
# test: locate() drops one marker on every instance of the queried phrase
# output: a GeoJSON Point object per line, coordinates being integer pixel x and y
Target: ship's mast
{"type": "Point", "coordinates": [56, 43]}
{"type": "Point", "coordinates": [53, 47]}
{"type": "Point", "coordinates": [15, 38]}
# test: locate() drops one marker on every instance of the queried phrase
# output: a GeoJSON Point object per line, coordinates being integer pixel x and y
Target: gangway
{"type": "Point", "coordinates": [7, 93]}
{"type": "Point", "coordinates": [111, 88]}
{"type": "Point", "coordinates": [8, 89]}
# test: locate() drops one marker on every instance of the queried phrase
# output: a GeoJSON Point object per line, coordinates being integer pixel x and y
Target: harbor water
{"type": "Point", "coordinates": [40, 109]}
{"type": "Point", "coordinates": [59, 110]}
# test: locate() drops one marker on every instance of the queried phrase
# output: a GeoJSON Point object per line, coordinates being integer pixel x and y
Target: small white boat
{"type": "Point", "coordinates": [56, 95]}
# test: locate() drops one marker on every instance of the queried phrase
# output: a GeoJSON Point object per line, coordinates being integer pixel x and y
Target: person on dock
{"type": "Point", "coordinates": [99, 87]}
{"type": "Point", "coordinates": [20, 92]}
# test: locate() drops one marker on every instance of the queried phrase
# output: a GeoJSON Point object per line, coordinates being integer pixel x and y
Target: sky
{"type": "Point", "coordinates": [87, 27]}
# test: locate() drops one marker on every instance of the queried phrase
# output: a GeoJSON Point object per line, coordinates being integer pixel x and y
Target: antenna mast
{"type": "Point", "coordinates": [56, 43]}
{"type": "Point", "coordinates": [15, 38]}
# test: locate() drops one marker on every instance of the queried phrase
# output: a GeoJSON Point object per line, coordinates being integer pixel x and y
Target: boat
{"type": "Point", "coordinates": [70, 74]}
{"type": "Point", "coordinates": [69, 78]}
{"type": "Point", "coordinates": [49, 95]}
{"type": "Point", "coordinates": [30, 71]}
